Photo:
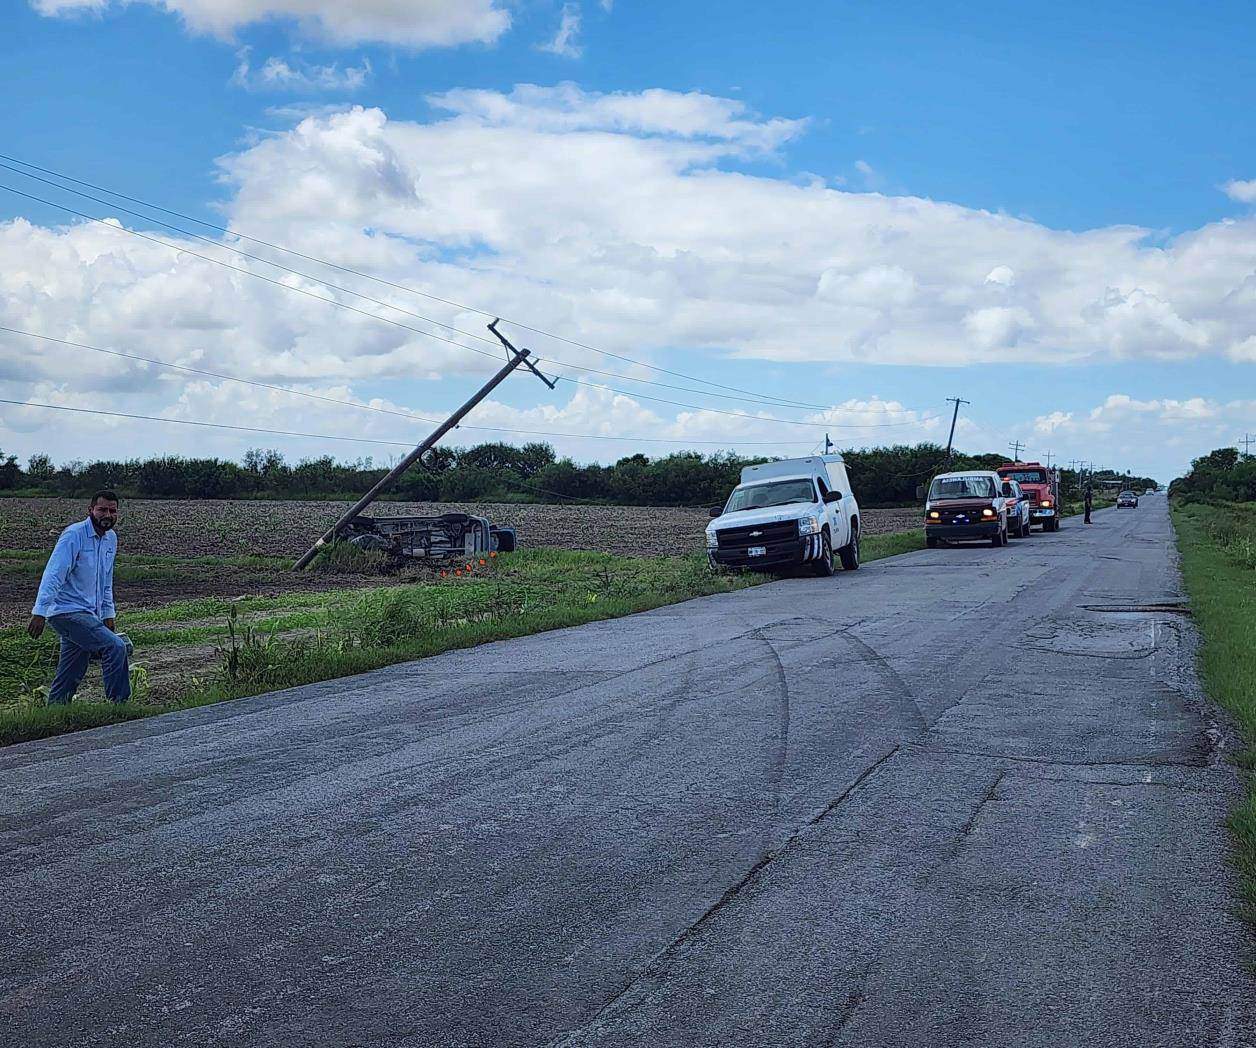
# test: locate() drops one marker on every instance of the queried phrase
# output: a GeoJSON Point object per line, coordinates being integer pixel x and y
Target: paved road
{"type": "Point", "coordinates": [958, 798]}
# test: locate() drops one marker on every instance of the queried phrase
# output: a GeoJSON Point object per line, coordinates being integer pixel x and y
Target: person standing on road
{"type": "Point", "coordinates": [76, 599]}
{"type": "Point", "coordinates": [1089, 499]}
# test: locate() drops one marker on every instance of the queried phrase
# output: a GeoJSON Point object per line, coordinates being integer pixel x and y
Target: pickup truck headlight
{"type": "Point", "coordinates": [1046, 503]}
{"type": "Point", "coordinates": [987, 512]}
{"type": "Point", "coordinates": [808, 526]}
{"type": "Point", "coordinates": [934, 515]}
{"type": "Point", "coordinates": [712, 541]}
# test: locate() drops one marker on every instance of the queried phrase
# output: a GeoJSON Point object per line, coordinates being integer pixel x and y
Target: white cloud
{"type": "Point", "coordinates": [622, 221]}
{"type": "Point", "coordinates": [411, 23]}
{"type": "Point", "coordinates": [1243, 192]}
{"type": "Point", "coordinates": [567, 108]}
{"type": "Point", "coordinates": [1124, 432]}
{"type": "Point", "coordinates": [566, 39]}
{"type": "Point", "coordinates": [280, 74]}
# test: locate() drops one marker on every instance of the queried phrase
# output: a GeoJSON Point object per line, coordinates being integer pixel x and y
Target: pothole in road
{"type": "Point", "coordinates": [1129, 609]}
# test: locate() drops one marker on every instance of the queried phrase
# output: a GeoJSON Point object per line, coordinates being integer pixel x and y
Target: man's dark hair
{"type": "Point", "coordinates": [106, 494]}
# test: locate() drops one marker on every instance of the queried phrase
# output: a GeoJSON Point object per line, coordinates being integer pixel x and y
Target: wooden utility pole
{"type": "Point", "coordinates": [950, 440]}
{"type": "Point", "coordinates": [1247, 442]}
{"type": "Point", "coordinates": [516, 357]}
{"type": "Point", "coordinates": [1016, 446]}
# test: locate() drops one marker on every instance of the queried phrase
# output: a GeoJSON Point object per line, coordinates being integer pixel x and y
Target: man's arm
{"type": "Point", "coordinates": [108, 611]}
{"type": "Point", "coordinates": [55, 573]}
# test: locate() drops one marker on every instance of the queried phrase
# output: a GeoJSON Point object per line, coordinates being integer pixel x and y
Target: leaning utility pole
{"type": "Point", "coordinates": [1016, 446]}
{"type": "Point", "coordinates": [954, 418]}
{"type": "Point", "coordinates": [515, 358]}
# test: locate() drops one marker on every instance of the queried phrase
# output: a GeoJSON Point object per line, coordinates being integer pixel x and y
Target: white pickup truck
{"type": "Point", "coordinates": [791, 512]}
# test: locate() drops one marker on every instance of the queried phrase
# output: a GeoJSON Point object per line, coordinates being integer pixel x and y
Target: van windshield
{"type": "Point", "coordinates": [961, 488]}
{"type": "Point", "coordinates": [760, 496]}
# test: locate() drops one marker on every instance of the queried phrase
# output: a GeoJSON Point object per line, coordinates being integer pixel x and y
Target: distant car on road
{"type": "Point", "coordinates": [965, 506]}
{"type": "Point", "coordinates": [1018, 510]}
{"type": "Point", "coordinates": [1127, 498]}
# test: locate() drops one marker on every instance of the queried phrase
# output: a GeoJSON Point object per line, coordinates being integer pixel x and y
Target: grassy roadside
{"type": "Point", "coordinates": [249, 645]}
{"type": "Point", "coordinates": [1218, 548]}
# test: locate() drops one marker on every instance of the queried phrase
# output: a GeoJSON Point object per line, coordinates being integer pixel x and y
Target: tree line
{"type": "Point", "coordinates": [493, 472]}
{"type": "Point", "coordinates": [1223, 475]}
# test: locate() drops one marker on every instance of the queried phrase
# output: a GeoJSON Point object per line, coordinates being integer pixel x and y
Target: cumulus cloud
{"type": "Point", "coordinates": [1125, 432]}
{"type": "Point", "coordinates": [1243, 192]}
{"type": "Point", "coordinates": [623, 221]}
{"type": "Point", "coordinates": [411, 23]}
{"type": "Point", "coordinates": [281, 74]}
{"type": "Point", "coordinates": [566, 39]}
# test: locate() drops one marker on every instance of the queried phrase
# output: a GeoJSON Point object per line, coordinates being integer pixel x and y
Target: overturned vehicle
{"type": "Point", "coordinates": [450, 536]}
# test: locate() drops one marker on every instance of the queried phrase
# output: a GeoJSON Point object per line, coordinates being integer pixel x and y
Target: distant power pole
{"type": "Point", "coordinates": [950, 441]}
{"type": "Point", "coordinates": [1016, 446]}
{"type": "Point", "coordinates": [1247, 442]}
{"type": "Point", "coordinates": [1049, 455]}
{"type": "Point", "coordinates": [828, 444]}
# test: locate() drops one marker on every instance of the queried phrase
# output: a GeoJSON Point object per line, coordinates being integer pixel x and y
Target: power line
{"type": "Point", "coordinates": [459, 345]}
{"type": "Point", "coordinates": [750, 398]}
{"type": "Point", "coordinates": [391, 411]}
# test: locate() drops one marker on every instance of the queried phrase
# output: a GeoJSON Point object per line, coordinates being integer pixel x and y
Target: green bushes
{"type": "Point", "coordinates": [887, 476]}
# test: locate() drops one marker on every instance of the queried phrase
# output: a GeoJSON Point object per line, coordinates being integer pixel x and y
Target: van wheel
{"type": "Point", "coordinates": [849, 553]}
{"type": "Point", "coordinates": [824, 566]}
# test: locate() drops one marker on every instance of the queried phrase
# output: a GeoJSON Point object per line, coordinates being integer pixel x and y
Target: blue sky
{"type": "Point", "coordinates": [1073, 119]}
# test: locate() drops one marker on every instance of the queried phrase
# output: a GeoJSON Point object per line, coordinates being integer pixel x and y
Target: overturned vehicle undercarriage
{"type": "Point", "coordinates": [450, 536]}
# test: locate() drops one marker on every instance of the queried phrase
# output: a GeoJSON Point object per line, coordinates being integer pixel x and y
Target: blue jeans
{"type": "Point", "coordinates": [82, 636]}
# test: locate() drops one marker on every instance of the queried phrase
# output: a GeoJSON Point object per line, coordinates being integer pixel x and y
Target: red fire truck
{"type": "Point", "coordinates": [1042, 485]}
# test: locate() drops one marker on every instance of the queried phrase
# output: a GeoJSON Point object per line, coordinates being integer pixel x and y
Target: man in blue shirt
{"type": "Point", "coordinates": [76, 600]}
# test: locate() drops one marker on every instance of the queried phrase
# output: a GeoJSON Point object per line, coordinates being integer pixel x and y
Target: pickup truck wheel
{"type": "Point", "coordinates": [931, 542]}
{"type": "Point", "coordinates": [824, 566]}
{"type": "Point", "coordinates": [849, 553]}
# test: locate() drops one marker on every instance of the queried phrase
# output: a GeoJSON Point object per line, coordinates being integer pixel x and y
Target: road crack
{"type": "Point", "coordinates": [619, 1001]}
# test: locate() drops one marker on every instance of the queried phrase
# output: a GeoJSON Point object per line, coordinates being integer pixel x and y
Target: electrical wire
{"type": "Point", "coordinates": [751, 398]}
{"type": "Point", "coordinates": [471, 349]}
{"type": "Point", "coordinates": [275, 432]}
{"type": "Point", "coordinates": [392, 411]}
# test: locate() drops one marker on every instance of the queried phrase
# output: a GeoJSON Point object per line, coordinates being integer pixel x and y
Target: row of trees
{"type": "Point", "coordinates": [886, 476]}
{"type": "Point", "coordinates": [1221, 474]}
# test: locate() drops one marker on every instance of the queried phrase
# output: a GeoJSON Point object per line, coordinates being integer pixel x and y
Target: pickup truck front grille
{"type": "Point", "coordinates": [756, 535]}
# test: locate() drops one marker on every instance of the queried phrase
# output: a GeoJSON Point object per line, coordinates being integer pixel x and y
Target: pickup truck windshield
{"type": "Point", "coordinates": [760, 496]}
{"type": "Point", "coordinates": [961, 488]}
{"type": "Point", "coordinates": [1025, 476]}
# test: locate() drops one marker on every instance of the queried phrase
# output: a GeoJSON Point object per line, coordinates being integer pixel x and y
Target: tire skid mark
{"type": "Point", "coordinates": [619, 1004]}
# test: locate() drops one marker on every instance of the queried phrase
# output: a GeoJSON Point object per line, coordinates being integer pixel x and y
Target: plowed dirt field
{"type": "Point", "coordinates": [198, 532]}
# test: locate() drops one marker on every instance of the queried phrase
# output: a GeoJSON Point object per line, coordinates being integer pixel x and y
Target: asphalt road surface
{"type": "Point", "coordinates": [967, 796]}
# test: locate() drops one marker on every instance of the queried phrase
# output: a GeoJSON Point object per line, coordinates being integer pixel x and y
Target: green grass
{"type": "Point", "coordinates": [343, 632]}
{"type": "Point", "coordinates": [1218, 548]}
{"type": "Point", "coordinates": [874, 547]}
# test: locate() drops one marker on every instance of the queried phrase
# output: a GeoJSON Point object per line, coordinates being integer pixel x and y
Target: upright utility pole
{"type": "Point", "coordinates": [515, 358]}
{"type": "Point", "coordinates": [1016, 446]}
{"type": "Point", "coordinates": [828, 444]}
{"type": "Point", "coordinates": [1049, 457]}
{"type": "Point", "coordinates": [1247, 442]}
{"type": "Point", "coordinates": [950, 440]}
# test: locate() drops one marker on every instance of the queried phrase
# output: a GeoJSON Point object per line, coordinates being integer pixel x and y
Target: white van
{"type": "Point", "coordinates": [791, 512]}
